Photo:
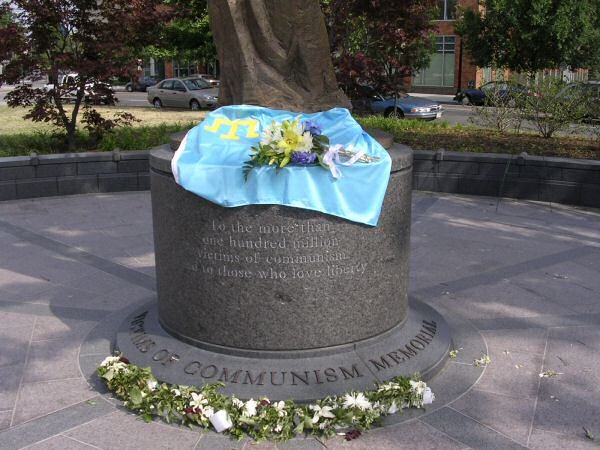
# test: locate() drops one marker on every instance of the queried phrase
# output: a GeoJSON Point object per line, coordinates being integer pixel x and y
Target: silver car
{"type": "Point", "coordinates": [193, 92]}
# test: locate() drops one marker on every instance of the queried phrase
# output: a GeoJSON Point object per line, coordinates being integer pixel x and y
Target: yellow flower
{"type": "Point", "coordinates": [291, 136]}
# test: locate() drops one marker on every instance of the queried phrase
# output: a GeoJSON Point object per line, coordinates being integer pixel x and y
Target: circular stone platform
{"type": "Point", "coordinates": [420, 344]}
{"type": "Point", "coordinates": [282, 302]}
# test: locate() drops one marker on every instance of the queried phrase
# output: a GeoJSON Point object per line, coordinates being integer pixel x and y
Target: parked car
{"type": "Point", "coordinates": [212, 80]}
{"type": "Point", "coordinates": [94, 91]}
{"type": "Point", "coordinates": [493, 92]}
{"type": "Point", "coordinates": [142, 85]}
{"type": "Point", "coordinates": [193, 92]}
{"type": "Point", "coordinates": [407, 106]}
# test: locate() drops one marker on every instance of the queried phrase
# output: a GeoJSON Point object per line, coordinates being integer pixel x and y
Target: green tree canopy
{"type": "Point", "coordinates": [187, 36]}
{"type": "Point", "coordinates": [531, 35]}
{"type": "Point", "coordinates": [94, 40]}
{"type": "Point", "coordinates": [380, 42]}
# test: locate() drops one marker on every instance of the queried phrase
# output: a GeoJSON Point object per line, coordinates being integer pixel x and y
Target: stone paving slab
{"type": "Point", "coordinates": [60, 443]}
{"type": "Point", "coordinates": [42, 398]}
{"type": "Point", "coordinates": [523, 275]}
{"type": "Point", "coordinates": [511, 415]}
{"type": "Point", "coordinates": [120, 430]}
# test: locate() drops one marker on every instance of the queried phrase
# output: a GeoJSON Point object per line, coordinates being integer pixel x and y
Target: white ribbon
{"type": "Point", "coordinates": [332, 156]}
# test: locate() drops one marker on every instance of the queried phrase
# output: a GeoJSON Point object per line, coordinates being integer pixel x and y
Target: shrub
{"type": "Point", "coordinates": [555, 106]}
{"type": "Point", "coordinates": [440, 135]}
{"type": "Point", "coordinates": [126, 138]}
{"type": "Point", "coordinates": [502, 110]}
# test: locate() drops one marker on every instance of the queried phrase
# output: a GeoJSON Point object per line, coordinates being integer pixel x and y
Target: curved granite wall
{"type": "Point", "coordinates": [275, 277]}
{"type": "Point", "coordinates": [559, 180]}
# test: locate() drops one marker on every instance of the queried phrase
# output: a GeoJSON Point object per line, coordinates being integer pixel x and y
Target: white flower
{"type": "Point", "coordinates": [428, 396]}
{"type": "Point", "coordinates": [198, 400]}
{"type": "Point", "coordinates": [388, 387]}
{"type": "Point", "coordinates": [418, 387]}
{"type": "Point", "coordinates": [307, 142]}
{"type": "Point", "coordinates": [176, 392]}
{"type": "Point", "coordinates": [237, 403]}
{"type": "Point", "coordinates": [109, 360]}
{"type": "Point", "coordinates": [321, 411]}
{"type": "Point", "coordinates": [280, 408]}
{"type": "Point", "coordinates": [208, 411]}
{"type": "Point", "coordinates": [385, 387]}
{"type": "Point", "coordinates": [152, 384]}
{"type": "Point", "coordinates": [270, 133]}
{"type": "Point", "coordinates": [278, 428]}
{"type": "Point", "coordinates": [393, 409]}
{"type": "Point", "coordinates": [356, 400]}
{"type": "Point", "coordinates": [250, 408]}
{"type": "Point", "coordinates": [119, 366]}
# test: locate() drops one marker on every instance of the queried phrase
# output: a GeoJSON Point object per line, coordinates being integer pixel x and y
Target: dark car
{"type": "Point", "coordinates": [142, 85]}
{"type": "Point", "coordinates": [493, 93]}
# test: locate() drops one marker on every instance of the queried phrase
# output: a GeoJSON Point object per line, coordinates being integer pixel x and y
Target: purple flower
{"type": "Point", "coordinates": [304, 158]}
{"type": "Point", "coordinates": [313, 127]}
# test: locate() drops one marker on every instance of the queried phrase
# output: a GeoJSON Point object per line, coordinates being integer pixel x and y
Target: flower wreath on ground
{"type": "Point", "coordinates": [260, 419]}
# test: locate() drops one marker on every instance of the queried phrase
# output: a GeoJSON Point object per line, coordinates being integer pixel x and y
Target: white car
{"type": "Point", "coordinates": [97, 92]}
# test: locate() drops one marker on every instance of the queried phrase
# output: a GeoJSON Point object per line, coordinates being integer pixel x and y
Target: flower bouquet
{"type": "Point", "coordinates": [301, 143]}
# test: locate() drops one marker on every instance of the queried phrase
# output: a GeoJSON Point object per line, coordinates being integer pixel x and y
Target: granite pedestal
{"type": "Point", "coordinates": [279, 301]}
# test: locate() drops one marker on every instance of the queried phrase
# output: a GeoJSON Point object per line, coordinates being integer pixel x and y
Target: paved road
{"type": "Point", "coordinates": [454, 113]}
{"type": "Point", "coordinates": [133, 99]}
{"type": "Point", "coordinates": [125, 98]}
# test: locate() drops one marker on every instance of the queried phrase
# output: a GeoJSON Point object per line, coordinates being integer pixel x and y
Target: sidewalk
{"type": "Point", "coordinates": [524, 275]}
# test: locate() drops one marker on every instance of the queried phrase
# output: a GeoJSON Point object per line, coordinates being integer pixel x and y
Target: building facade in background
{"type": "Point", "coordinates": [451, 69]}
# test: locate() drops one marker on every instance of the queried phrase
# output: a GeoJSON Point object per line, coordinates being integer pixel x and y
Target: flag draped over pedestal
{"type": "Point", "coordinates": [209, 163]}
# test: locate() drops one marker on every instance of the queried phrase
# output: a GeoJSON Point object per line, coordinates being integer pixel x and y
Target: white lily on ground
{"type": "Point", "coordinates": [109, 360]}
{"type": "Point", "coordinates": [356, 400]}
{"type": "Point", "coordinates": [250, 408]}
{"type": "Point", "coordinates": [280, 408]}
{"type": "Point", "coordinates": [198, 400]}
{"type": "Point", "coordinates": [321, 411]}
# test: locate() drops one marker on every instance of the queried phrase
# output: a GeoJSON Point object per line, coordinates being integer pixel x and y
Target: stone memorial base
{"type": "Point", "coordinates": [282, 302]}
{"type": "Point", "coordinates": [419, 344]}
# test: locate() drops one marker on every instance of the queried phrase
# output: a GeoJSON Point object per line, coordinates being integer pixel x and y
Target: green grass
{"type": "Point", "coordinates": [12, 122]}
{"type": "Point", "coordinates": [20, 137]}
{"type": "Point", "coordinates": [421, 135]}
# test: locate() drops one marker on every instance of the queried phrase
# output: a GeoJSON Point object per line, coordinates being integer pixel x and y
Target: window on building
{"type": "Point", "coordinates": [182, 69]}
{"type": "Point", "coordinates": [440, 72]}
{"type": "Point", "coordinates": [447, 9]}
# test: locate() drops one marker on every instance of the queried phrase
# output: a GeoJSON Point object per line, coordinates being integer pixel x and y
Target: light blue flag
{"type": "Point", "coordinates": [209, 163]}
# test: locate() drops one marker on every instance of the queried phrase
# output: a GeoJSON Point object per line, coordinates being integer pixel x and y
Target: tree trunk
{"type": "Point", "coordinates": [71, 137]}
{"type": "Point", "coordinates": [274, 53]}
